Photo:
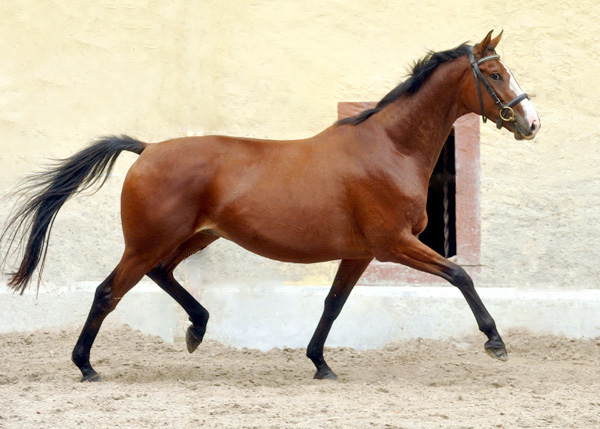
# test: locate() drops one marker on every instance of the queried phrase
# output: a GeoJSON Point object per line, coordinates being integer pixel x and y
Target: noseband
{"type": "Point", "coordinates": [506, 114]}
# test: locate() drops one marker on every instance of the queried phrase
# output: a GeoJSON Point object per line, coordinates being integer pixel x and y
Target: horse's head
{"type": "Point", "coordinates": [492, 91]}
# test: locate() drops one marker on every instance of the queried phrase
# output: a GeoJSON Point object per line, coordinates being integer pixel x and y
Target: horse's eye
{"type": "Point", "coordinates": [496, 76]}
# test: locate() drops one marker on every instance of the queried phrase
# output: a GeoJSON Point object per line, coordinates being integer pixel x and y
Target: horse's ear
{"type": "Point", "coordinates": [494, 42]}
{"type": "Point", "coordinates": [485, 43]}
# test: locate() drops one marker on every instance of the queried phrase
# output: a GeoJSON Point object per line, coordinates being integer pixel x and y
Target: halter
{"type": "Point", "coordinates": [507, 114]}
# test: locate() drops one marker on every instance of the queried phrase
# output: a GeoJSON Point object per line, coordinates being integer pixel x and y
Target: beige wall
{"type": "Point", "coordinates": [71, 71]}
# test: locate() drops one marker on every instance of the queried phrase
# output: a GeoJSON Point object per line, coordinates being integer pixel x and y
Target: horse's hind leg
{"type": "Point", "coordinates": [162, 274]}
{"type": "Point", "coordinates": [347, 275]}
{"type": "Point", "coordinates": [126, 275]}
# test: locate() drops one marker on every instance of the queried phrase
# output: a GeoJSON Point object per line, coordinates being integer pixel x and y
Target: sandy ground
{"type": "Point", "coordinates": [548, 382]}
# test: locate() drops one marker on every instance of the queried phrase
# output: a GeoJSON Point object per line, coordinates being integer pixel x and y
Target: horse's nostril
{"type": "Point", "coordinates": [535, 125]}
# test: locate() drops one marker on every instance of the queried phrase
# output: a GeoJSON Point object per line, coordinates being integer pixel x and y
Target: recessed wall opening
{"type": "Point", "coordinates": [440, 233]}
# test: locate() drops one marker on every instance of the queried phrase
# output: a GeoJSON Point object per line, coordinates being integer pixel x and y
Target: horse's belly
{"type": "Point", "coordinates": [295, 241]}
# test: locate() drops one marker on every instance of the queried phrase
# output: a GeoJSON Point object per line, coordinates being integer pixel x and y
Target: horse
{"type": "Point", "coordinates": [355, 192]}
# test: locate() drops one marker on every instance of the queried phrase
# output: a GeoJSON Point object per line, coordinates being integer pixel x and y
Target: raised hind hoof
{"type": "Point", "coordinates": [325, 374]}
{"type": "Point", "coordinates": [193, 337]}
{"type": "Point", "coordinates": [497, 352]}
{"type": "Point", "coordinates": [91, 377]}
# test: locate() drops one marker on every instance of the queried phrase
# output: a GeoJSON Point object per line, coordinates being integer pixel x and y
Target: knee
{"type": "Point", "coordinates": [459, 277]}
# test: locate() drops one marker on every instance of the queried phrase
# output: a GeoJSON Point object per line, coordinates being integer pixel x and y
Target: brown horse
{"type": "Point", "coordinates": [354, 192]}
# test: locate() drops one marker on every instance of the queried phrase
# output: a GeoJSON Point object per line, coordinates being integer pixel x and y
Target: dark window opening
{"type": "Point", "coordinates": [440, 233]}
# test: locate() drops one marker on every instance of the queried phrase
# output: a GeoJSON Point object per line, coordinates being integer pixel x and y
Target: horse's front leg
{"type": "Point", "coordinates": [347, 275]}
{"type": "Point", "coordinates": [413, 253]}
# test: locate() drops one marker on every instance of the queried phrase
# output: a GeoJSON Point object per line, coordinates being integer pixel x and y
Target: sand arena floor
{"type": "Point", "coordinates": [549, 382]}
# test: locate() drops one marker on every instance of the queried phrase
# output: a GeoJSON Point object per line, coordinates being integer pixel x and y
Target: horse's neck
{"type": "Point", "coordinates": [418, 124]}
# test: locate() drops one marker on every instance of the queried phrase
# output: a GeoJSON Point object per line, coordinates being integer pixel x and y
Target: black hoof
{"type": "Point", "coordinates": [94, 376]}
{"type": "Point", "coordinates": [193, 337]}
{"type": "Point", "coordinates": [325, 374]}
{"type": "Point", "coordinates": [497, 351]}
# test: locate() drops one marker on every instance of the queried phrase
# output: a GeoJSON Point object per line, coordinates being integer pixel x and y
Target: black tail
{"type": "Point", "coordinates": [44, 194]}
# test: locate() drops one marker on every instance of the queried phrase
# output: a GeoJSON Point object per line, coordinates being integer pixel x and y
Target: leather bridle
{"type": "Point", "coordinates": [506, 113]}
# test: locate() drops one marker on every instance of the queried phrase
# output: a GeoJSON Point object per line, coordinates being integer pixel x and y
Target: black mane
{"type": "Point", "coordinates": [421, 70]}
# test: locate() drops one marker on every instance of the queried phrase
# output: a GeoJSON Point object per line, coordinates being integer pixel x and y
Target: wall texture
{"type": "Point", "coordinates": [71, 71]}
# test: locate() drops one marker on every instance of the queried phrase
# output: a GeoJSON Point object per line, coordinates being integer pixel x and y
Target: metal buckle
{"type": "Point", "coordinates": [509, 109]}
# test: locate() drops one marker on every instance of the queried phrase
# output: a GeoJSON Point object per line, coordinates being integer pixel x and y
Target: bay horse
{"type": "Point", "coordinates": [354, 192]}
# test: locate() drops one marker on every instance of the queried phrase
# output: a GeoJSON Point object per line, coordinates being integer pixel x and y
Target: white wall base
{"type": "Point", "coordinates": [264, 316]}
{"type": "Point", "coordinates": [146, 308]}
